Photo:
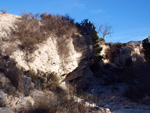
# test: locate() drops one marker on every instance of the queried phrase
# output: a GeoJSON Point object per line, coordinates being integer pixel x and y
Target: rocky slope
{"type": "Point", "coordinates": [69, 57]}
{"type": "Point", "coordinates": [75, 53]}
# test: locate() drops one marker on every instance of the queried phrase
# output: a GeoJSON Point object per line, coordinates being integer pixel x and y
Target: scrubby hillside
{"type": "Point", "coordinates": [48, 50]}
{"type": "Point", "coordinates": [40, 55]}
{"type": "Point", "coordinates": [50, 64]}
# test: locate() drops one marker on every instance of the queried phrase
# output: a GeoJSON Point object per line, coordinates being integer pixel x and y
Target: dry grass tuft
{"type": "Point", "coordinates": [44, 80]}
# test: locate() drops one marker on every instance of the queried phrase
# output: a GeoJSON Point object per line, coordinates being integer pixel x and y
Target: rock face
{"type": "Point", "coordinates": [6, 21]}
{"type": "Point", "coordinates": [69, 56]}
{"type": "Point", "coordinates": [73, 53]}
{"type": "Point", "coordinates": [121, 56]}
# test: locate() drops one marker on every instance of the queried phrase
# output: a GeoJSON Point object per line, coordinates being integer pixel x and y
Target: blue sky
{"type": "Point", "coordinates": [130, 19]}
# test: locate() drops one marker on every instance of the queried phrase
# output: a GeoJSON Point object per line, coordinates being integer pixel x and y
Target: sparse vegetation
{"type": "Point", "coordinates": [68, 18]}
{"type": "Point", "coordinates": [8, 67]}
{"type": "Point", "coordinates": [115, 50]}
{"type": "Point", "coordinates": [31, 31]}
{"type": "Point", "coordinates": [137, 77]}
{"type": "Point", "coordinates": [41, 80]}
{"type": "Point", "coordinates": [62, 106]}
{"type": "Point", "coordinates": [27, 30]}
{"type": "Point", "coordinates": [57, 25]}
{"type": "Point", "coordinates": [62, 102]}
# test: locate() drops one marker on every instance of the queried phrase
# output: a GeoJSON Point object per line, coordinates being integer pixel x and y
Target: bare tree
{"type": "Point", "coordinates": [105, 30]}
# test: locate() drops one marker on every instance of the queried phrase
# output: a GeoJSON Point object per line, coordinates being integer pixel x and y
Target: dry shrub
{"type": "Point", "coordinates": [64, 102]}
{"type": "Point", "coordinates": [113, 51]}
{"type": "Point", "coordinates": [63, 105]}
{"type": "Point", "coordinates": [60, 26]}
{"type": "Point", "coordinates": [42, 106]}
{"type": "Point", "coordinates": [27, 30]}
{"type": "Point", "coordinates": [68, 18]}
{"type": "Point", "coordinates": [10, 70]}
{"type": "Point", "coordinates": [31, 30]}
{"type": "Point", "coordinates": [44, 80]}
{"type": "Point", "coordinates": [116, 51]}
{"type": "Point", "coordinates": [69, 107]}
{"type": "Point", "coordinates": [57, 25]}
{"type": "Point", "coordinates": [14, 75]}
{"type": "Point", "coordinates": [63, 28]}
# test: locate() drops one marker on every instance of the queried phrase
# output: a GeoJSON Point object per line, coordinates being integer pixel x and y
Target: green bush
{"type": "Point", "coordinates": [90, 29]}
{"type": "Point", "coordinates": [146, 49]}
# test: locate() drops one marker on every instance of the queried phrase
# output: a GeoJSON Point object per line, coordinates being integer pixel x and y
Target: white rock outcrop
{"type": "Point", "coordinates": [61, 58]}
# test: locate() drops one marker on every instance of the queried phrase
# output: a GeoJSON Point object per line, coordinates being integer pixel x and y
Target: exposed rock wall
{"type": "Point", "coordinates": [69, 56]}
{"type": "Point", "coordinates": [61, 55]}
{"type": "Point", "coordinates": [120, 56]}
